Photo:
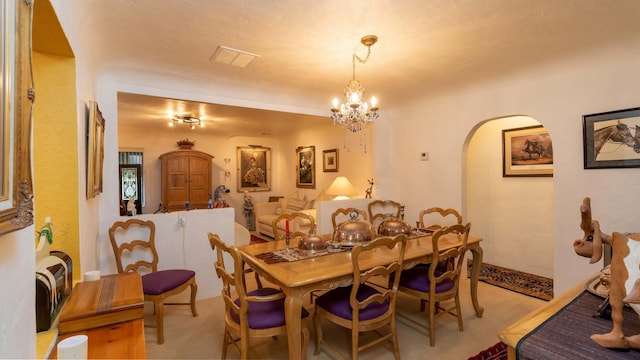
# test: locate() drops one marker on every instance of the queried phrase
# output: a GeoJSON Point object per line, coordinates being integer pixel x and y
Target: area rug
{"type": "Point", "coordinates": [256, 239]}
{"type": "Point", "coordinates": [495, 352]}
{"type": "Point", "coordinates": [520, 282]}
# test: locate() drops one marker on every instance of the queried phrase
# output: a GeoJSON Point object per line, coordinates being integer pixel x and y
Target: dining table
{"type": "Point", "coordinates": [300, 277]}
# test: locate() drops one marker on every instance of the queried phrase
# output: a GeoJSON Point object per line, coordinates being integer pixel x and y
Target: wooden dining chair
{"type": "Point", "coordinates": [435, 286]}
{"type": "Point", "coordinates": [133, 243]}
{"type": "Point", "coordinates": [256, 313]}
{"type": "Point", "coordinates": [344, 215]}
{"type": "Point", "coordinates": [362, 306]}
{"type": "Point", "coordinates": [279, 234]}
{"type": "Point", "coordinates": [436, 218]}
{"type": "Point", "coordinates": [379, 210]}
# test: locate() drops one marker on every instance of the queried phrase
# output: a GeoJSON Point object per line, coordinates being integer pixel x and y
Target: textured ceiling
{"type": "Point", "coordinates": [305, 46]}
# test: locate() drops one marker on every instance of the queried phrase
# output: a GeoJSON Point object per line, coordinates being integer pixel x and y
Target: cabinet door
{"type": "Point", "coordinates": [177, 182]}
{"type": "Point", "coordinates": [200, 177]}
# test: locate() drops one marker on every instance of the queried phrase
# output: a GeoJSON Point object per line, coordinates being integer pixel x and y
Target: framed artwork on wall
{"type": "Point", "coordinates": [95, 150]}
{"type": "Point", "coordinates": [330, 160]}
{"type": "Point", "coordinates": [306, 167]}
{"type": "Point", "coordinates": [612, 139]}
{"type": "Point", "coordinates": [527, 151]}
{"type": "Point", "coordinates": [254, 168]}
{"type": "Point", "coordinates": [16, 90]}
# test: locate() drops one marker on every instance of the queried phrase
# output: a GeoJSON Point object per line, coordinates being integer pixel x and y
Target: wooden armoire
{"type": "Point", "coordinates": [186, 177]}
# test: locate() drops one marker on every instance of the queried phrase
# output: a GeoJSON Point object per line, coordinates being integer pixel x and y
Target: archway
{"type": "Point", "coordinates": [513, 214]}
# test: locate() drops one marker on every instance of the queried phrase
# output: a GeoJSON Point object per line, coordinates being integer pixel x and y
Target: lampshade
{"type": "Point", "coordinates": [341, 188]}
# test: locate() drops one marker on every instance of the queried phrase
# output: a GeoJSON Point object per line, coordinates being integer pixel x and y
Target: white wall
{"type": "Point", "coordinates": [557, 95]}
{"type": "Point", "coordinates": [182, 243]}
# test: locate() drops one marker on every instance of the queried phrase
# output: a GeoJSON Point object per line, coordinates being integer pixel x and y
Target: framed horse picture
{"type": "Point", "coordinates": [612, 139]}
{"type": "Point", "coordinates": [527, 151]}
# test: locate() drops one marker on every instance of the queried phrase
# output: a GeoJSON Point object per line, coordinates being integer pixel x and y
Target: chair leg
{"type": "Point", "coordinates": [194, 292]}
{"type": "Point", "coordinates": [459, 313]}
{"type": "Point", "coordinates": [432, 322]}
{"type": "Point", "coordinates": [305, 340]}
{"type": "Point", "coordinates": [159, 306]}
{"type": "Point", "coordinates": [354, 343]}
{"type": "Point", "coordinates": [318, 326]}
{"type": "Point", "coordinates": [227, 340]}
{"type": "Point", "coordinates": [394, 338]}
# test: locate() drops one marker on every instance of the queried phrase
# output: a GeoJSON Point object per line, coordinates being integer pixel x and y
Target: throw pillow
{"type": "Point", "coordinates": [295, 205]}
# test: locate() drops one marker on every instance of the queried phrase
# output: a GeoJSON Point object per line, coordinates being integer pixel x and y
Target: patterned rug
{"type": "Point", "coordinates": [495, 352]}
{"type": "Point", "coordinates": [520, 282]}
{"type": "Point", "coordinates": [256, 240]}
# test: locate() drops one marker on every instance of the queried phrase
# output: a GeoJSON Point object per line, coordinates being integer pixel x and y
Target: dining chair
{"type": "Point", "coordinates": [278, 234]}
{"type": "Point", "coordinates": [256, 313]}
{"type": "Point", "coordinates": [133, 243]}
{"type": "Point", "coordinates": [435, 218]}
{"type": "Point", "coordinates": [434, 285]}
{"type": "Point", "coordinates": [363, 306]}
{"type": "Point", "coordinates": [344, 215]}
{"type": "Point", "coordinates": [380, 210]}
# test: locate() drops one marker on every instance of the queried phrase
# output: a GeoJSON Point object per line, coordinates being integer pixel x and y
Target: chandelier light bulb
{"type": "Point", "coordinates": [374, 102]}
{"type": "Point", "coordinates": [335, 103]}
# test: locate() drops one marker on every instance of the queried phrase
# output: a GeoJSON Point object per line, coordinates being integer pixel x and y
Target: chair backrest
{"type": "Point", "coordinates": [133, 243]}
{"type": "Point", "coordinates": [361, 254]}
{"type": "Point", "coordinates": [293, 217]}
{"type": "Point", "coordinates": [380, 210]}
{"type": "Point", "coordinates": [437, 274]}
{"type": "Point", "coordinates": [342, 214]}
{"type": "Point", "coordinates": [232, 275]}
{"type": "Point", "coordinates": [435, 218]}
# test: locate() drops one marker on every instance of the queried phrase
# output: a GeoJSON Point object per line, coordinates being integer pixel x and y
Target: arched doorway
{"type": "Point", "coordinates": [513, 214]}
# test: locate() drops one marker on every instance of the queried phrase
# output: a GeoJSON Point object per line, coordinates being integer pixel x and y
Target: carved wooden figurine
{"type": "Point", "coordinates": [625, 275]}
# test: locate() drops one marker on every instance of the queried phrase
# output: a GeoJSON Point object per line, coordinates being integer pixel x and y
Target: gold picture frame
{"type": "Point", "coordinates": [330, 160]}
{"type": "Point", "coordinates": [527, 151]}
{"type": "Point", "coordinates": [254, 168]}
{"type": "Point", "coordinates": [95, 150]}
{"type": "Point", "coordinates": [306, 167]}
{"type": "Point", "coordinates": [16, 200]}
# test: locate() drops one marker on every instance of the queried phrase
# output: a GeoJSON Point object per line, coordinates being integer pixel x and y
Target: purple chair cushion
{"type": "Point", "coordinates": [264, 315]}
{"type": "Point", "coordinates": [417, 278]}
{"type": "Point", "coordinates": [158, 282]}
{"type": "Point", "coordinates": [336, 302]}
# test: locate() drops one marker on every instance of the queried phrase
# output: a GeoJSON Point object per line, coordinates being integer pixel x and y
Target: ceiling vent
{"type": "Point", "coordinates": [229, 56]}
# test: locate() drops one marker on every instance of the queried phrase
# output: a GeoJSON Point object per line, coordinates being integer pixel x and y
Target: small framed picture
{"type": "Point", "coordinates": [612, 139]}
{"type": "Point", "coordinates": [527, 151]}
{"type": "Point", "coordinates": [306, 167]}
{"type": "Point", "coordinates": [330, 160]}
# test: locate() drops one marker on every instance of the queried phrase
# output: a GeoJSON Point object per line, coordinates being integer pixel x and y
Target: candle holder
{"type": "Point", "coordinates": [287, 241]}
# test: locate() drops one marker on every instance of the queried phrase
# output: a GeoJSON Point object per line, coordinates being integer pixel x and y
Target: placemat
{"type": "Point", "coordinates": [295, 254]}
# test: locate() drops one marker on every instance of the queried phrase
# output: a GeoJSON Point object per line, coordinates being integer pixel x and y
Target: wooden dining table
{"type": "Point", "coordinates": [297, 278]}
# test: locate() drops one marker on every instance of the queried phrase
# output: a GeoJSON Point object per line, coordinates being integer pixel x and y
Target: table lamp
{"type": "Point", "coordinates": [341, 188]}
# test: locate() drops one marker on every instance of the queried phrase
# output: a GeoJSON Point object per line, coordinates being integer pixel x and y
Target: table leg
{"type": "Point", "coordinates": [476, 250]}
{"type": "Point", "coordinates": [292, 310]}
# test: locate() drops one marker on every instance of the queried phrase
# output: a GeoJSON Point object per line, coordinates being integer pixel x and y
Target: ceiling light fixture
{"type": "Point", "coordinates": [355, 113]}
{"type": "Point", "coordinates": [192, 121]}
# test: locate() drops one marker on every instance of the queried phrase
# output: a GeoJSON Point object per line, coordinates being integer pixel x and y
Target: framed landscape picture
{"type": "Point", "coordinates": [330, 160]}
{"type": "Point", "coordinates": [611, 139]}
{"type": "Point", "coordinates": [254, 168]}
{"type": "Point", "coordinates": [527, 151]}
{"type": "Point", "coordinates": [306, 167]}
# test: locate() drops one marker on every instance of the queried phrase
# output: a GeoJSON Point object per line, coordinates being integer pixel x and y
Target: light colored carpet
{"type": "Point", "coordinates": [188, 337]}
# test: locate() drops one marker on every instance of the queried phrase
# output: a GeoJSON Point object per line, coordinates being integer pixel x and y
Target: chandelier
{"type": "Point", "coordinates": [355, 113]}
{"type": "Point", "coordinates": [192, 121]}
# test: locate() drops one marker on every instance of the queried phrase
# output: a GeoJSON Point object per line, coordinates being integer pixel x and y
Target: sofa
{"type": "Point", "coordinates": [267, 212]}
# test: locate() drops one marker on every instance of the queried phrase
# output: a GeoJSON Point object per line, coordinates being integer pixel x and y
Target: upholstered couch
{"type": "Point", "coordinates": [267, 212]}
